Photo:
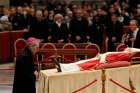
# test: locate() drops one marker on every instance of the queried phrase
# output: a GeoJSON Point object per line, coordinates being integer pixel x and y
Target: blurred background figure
{"type": "Point", "coordinates": [18, 21]}
{"type": "Point", "coordinates": [38, 28]}
{"type": "Point", "coordinates": [59, 30]}
{"type": "Point", "coordinates": [132, 38]}
{"type": "Point", "coordinates": [5, 24]}
{"type": "Point", "coordinates": [98, 27]}
{"type": "Point", "coordinates": [78, 27]}
{"type": "Point", "coordinates": [114, 32]}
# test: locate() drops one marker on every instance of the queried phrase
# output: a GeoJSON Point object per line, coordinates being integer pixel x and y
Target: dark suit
{"type": "Point", "coordinates": [114, 30]}
{"type": "Point", "coordinates": [97, 30]}
{"type": "Point", "coordinates": [38, 29]}
{"type": "Point", "coordinates": [137, 40]}
{"type": "Point", "coordinates": [59, 33]}
{"type": "Point", "coordinates": [18, 22]}
{"type": "Point", "coordinates": [79, 28]}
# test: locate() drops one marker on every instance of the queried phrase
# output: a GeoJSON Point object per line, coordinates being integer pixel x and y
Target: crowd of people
{"type": "Point", "coordinates": [76, 23]}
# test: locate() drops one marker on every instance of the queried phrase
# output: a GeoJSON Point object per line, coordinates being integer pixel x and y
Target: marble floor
{"type": "Point", "coordinates": [6, 78]}
{"type": "Point", "coordinates": [5, 89]}
{"type": "Point", "coordinates": [8, 89]}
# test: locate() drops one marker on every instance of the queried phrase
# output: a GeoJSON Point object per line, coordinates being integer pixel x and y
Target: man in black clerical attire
{"type": "Point", "coordinates": [114, 32]}
{"type": "Point", "coordinates": [38, 28]}
{"type": "Point", "coordinates": [24, 78]}
{"type": "Point", "coordinates": [78, 27]}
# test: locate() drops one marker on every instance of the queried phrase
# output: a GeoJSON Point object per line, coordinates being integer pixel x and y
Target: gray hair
{"type": "Point", "coordinates": [58, 15]}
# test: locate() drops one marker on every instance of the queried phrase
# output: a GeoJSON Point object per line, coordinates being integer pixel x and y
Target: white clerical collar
{"type": "Point", "coordinates": [135, 32]}
{"type": "Point", "coordinates": [58, 23]}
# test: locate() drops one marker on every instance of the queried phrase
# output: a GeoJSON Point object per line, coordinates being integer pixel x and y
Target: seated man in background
{"type": "Point", "coordinates": [25, 72]}
{"type": "Point", "coordinates": [101, 61]}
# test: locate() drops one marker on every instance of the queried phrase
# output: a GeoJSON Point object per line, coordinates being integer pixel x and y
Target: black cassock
{"type": "Point", "coordinates": [24, 79]}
